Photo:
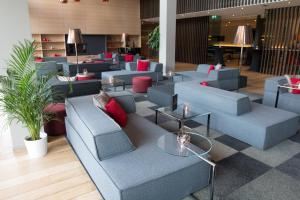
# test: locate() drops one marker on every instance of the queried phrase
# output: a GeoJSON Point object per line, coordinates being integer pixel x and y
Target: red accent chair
{"type": "Point", "coordinates": [56, 126]}
{"type": "Point", "coordinates": [140, 84]}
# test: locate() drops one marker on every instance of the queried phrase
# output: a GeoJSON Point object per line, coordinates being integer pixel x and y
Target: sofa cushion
{"type": "Point", "coordinates": [228, 102]}
{"type": "Point", "coordinates": [211, 68]}
{"type": "Point", "coordinates": [100, 133]}
{"type": "Point", "coordinates": [203, 68]}
{"type": "Point", "coordinates": [108, 55]}
{"type": "Point", "coordinates": [143, 65]}
{"type": "Point", "coordinates": [129, 58]}
{"type": "Point", "coordinates": [115, 111]}
{"type": "Point", "coordinates": [100, 100]}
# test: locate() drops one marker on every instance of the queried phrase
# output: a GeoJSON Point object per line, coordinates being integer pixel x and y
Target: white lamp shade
{"type": "Point", "coordinates": [243, 35]}
{"type": "Point", "coordinates": [75, 36]}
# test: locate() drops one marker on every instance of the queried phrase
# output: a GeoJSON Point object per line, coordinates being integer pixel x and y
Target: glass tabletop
{"type": "Point", "coordinates": [290, 86]}
{"type": "Point", "coordinates": [181, 112]}
{"type": "Point", "coordinates": [199, 145]}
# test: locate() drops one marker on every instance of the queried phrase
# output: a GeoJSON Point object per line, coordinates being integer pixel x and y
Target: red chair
{"type": "Point", "coordinates": [56, 126]}
{"type": "Point", "coordinates": [140, 84]}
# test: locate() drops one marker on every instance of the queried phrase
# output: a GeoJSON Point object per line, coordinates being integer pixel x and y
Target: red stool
{"type": "Point", "coordinates": [56, 126]}
{"type": "Point", "coordinates": [140, 84]}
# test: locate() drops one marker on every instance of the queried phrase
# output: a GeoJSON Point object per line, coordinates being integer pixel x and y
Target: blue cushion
{"type": "Point", "coordinates": [101, 133]}
{"type": "Point", "coordinates": [228, 102]}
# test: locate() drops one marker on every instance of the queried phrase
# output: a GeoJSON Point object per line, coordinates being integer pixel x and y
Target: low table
{"type": "Point", "coordinates": [114, 82]}
{"type": "Point", "coordinates": [180, 115]}
{"type": "Point", "coordinates": [200, 148]}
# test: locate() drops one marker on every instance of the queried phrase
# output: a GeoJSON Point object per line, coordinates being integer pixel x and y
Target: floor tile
{"type": "Point", "coordinates": [192, 124]}
{"type": "Point", "coordinates": [273, 185]}
{"type": "Point", "coordinates": [146, 103]}
{"type": "Point", "coordinates": [220, 151]}
{"type": "Point", "coordinates": [161, 118]}
{"type": "Point", "coordinates": [236, 171]}
{"type": "Point", "coordinates": [291, 167]}
{"type": "Point", "coordinates": [204, 195]}
{"type": "Point", "coordinates": [232, 142]}
{"type": "Point", "coordinates": [275, 155]}
{"type": "Point", "coordinates": [296, 138]}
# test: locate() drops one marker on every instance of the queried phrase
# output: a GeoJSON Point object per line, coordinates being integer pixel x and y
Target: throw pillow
{"type": "Point", "coordinates": [66, 78]}
{"type": "Point", "coordinates": [108, 55]}
{"type": "Point", "coordinates": [100, 100]}
{"type": "Point", "coordinates": [295, 84]}
{"type": "Point", "coordinates": [204, 83]}
{"type": "Point", "coordinates": [211, 68]}
{"type": "Point", "coordinates": [218, 67]}
{"type": "Point", "coordinates": [143, 65]}
{"type": "Point", "coordinates": [115, 111]}
{"type": "Point", "coordinates": [128, 58]}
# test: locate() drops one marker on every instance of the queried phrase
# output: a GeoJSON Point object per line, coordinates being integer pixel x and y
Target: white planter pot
{"type": "Point", "coordinates": [37, 148]}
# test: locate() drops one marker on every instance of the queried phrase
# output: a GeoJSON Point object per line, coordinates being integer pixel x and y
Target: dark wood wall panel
{"type": "Point", "coordinates": [150, 8]}
{"type": "Point", "coordinates": [192, 40]}
{"type": "Point", "coordinates": [281, 47]}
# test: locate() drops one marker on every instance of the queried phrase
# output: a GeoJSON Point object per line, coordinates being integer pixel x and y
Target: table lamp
{"type": "Point", "coordinates": [243, 37]}
{"type": "Point", "coordinates": [75, 37]}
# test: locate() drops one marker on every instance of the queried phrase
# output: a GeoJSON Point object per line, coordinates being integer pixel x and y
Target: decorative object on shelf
{"type": "Point", "coordinates": [243, 37]}
{"type": "Point", "coordinates": [63, 1]}
{"type": "Point", "coordinates": [153, 39]}
{"type": "Point", "coordinates": [75, 37]}
{"type": "Point", "coordinates": [24, 97]}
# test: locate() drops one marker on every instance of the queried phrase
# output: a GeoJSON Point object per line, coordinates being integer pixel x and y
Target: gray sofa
{"type": "Point", "coordinates": [286, 100]}
{"type": "Point", "coordinates": [233, 114]}
{"type": "Point", "coordinates": [226, 79]}
{"type": "Point", "coordinates": [155, 72]}
{"type": "Point", "coordinates": [127, 164]}
{"type": "Point", "coordinates": [161, 95]}
{"type": "Point", "coordinates": [64, 89]}
{"type": "Point", "coordinates": [97, 68]}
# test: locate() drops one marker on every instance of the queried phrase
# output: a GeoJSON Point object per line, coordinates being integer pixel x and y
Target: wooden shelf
{"type": "Point", "coordinates": [56, 44]}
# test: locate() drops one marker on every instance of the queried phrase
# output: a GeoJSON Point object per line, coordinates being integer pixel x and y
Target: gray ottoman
{"type": "Point", "coordinates": [161, 95]}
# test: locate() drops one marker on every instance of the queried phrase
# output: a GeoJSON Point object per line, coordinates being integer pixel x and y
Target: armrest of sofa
{"type": "Point", "coordinates": [272, 83]}
{"type": "Point", "coordinates": [203, 68]}
{"type": "Point", "coordinates": [131, 66]}
{"type": "Point", "coordinates": [125, 99]}
{"type": "Point", "coordinates": [223, 74]}
{"type": "Point", "coordinates": [156, 67]}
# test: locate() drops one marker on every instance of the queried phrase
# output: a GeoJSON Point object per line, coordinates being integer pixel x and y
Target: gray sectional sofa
{"type": "Point", "coordinates": [286, 100]}
{"type": "Point", "coordinates": [65, 89]}
{"type": "Point", "coordinates": [155, 72]}
{"type": "Point", "coordinates": [233, 114]}
{"type": "Point", "coordinates": [126, 163]}
{"type": "Point", "coordinates": [97, 68]}
{"type": "Point", "coordinates": [226, 79]}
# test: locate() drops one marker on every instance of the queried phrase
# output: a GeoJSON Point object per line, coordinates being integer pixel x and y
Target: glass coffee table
{"type": "Point", "coordinates": [112, 83]}
{"type": "Point", "coordinates": [197, 145]}
{"type": "Point", "coordinates": [182, 114]}
{"type": "Point", "coordinates": [285, 86]}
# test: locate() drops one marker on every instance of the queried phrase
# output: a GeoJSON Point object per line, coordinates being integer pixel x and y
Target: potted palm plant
{"type": "Point", "coordinates": [153, 39]}
{"type": "Point", "coordinates": [23, 96]}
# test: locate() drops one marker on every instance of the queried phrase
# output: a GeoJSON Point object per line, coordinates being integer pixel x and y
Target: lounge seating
{"type": "Point", "coordinates": [226, 79]}
{"type": "Point", "coordinates": [155, 72]}
{"type": "Point", "coordinates": [286, 101]}
{"type": "Point", "coordinates": [64, 88]}
{"type": "Point", "coordinates": [161, 95]}
{"type": "Point", "coordinates": [233, 114]}
{"type": "Point", "coordinates": [97, 68]}
{"type": "Point", "coordinates": [127, 164]}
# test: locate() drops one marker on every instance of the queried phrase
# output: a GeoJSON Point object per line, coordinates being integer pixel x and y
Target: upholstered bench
{"type": "Point", "coordinates": [140, 84]}
{"type": "Point", "coordinates": [161, 95]}
{"type": "Point", "coordinates": [56, 126]}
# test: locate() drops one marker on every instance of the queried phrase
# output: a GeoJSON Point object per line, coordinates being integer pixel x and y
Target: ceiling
{"type": "Point", "coordinates": [237, 12]}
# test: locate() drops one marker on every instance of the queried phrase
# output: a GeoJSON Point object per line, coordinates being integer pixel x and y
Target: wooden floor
{"type": "Point", "coordinates": [60, 175]}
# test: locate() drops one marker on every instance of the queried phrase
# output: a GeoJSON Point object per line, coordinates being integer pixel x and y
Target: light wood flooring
{"type": "Point", "coordinates": [59, 175]}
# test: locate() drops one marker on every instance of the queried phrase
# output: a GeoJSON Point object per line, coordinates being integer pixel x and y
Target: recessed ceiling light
{"type": "Point", "coordinates": [208, 12]}
{"type": "Point", "coordinates": [233, 15]}
{"type": "Point", "coordinates": [289, 2]}
{"type": "Point", "coordinates": [242, 8]}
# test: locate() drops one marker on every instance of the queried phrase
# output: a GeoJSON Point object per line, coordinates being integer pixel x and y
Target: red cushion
{"type": "Point", "coordinates": [39, 59]}
{"type": "Point", "coordinates": [143, 65]}
{"type": "Point", "coordinates": [295, 82]}
{"type": "Point", "coordinates": [211, 68]}
{"type": "Point", "coordinates": [129, 58]}
{"type": "Point", "coordinates": [108, 55]}
{"type": "Point", "coordinates": [204, 83]}
{"type": "Point", "coordinates": [115, 111]}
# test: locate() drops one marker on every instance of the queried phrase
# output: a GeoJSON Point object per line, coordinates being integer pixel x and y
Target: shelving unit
{"type": "Point", "coordinates": [115, 41]}
{"type": "Point", "coordinates": [50, 45]}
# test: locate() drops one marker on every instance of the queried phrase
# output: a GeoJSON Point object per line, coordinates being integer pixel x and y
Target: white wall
{"type": "Point", "coordinates": [14, 23]}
